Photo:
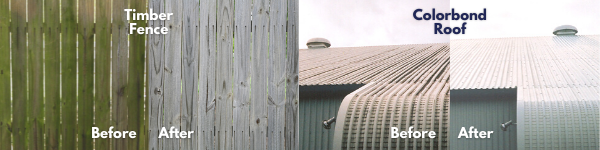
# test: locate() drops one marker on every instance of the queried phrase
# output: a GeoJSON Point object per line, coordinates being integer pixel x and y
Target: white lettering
{"type": "Point", "coordinates": [410, 133]}
{"type": "Point", "coordinates": [96, 133]}
{"type": "Point", "coordinates": [474, 133]}
{"type": "Point", "coordinates": [394, 132]}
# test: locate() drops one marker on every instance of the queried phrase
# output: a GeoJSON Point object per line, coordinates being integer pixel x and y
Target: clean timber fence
{"type": "Point", "coordinates": [228, 70]}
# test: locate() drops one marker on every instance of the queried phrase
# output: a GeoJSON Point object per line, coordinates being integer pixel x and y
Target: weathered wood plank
{"type": "Point", "coordinates": [19, 65]}
{"type": "Point", "coordinates": [258, 119]}
{"type": "Point", "coordinates": [291, 107]}
{"type": "Point", "coordinates": [156, 65]}
{"type": "Point", "coordinates": [135, 79]}
{"type": "Point", "coordinates": [102, 90]}
{"type": "Point", "coordinates": [241, 95]}
{"type": "Point", "coordinates": [85, 69]}
{"type": "Point", "coordinates": [172, 105]}
{"type": "Point", "coordinates": [277, 74]}
{"type": "Point", "coordinates": [35, 74]}
{"type": "Point", "coordinates": [52, 75]}
{"type": "Point", "coordinates": [189, 103]}
{"type": "Point", "coordinates": [224, 111]}
{"type": "Point", "coordinates": [5, 100]}
{"type": "Point", "coordinates": [69, 74]}
{"type": "Point", "coordinates": [206, 126]}
{"type": "Point", "coordinates": [120, 51]}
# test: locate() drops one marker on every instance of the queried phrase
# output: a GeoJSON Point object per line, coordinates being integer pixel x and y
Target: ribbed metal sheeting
{"type": "Point", "coordinates": [313, 111]}
{"type": "Point", "coordinates": [484, 110]}
{"type": "Point", "coordinates": [421, 100]}
{"type": "Point", "coordinates": [557, 82]}
{"type": "Point", "coordinates": [558, 118]}
{"type": "Point", "coordinates": [362, 65]}
{"type": "Point", "coordinates": [527, 62]}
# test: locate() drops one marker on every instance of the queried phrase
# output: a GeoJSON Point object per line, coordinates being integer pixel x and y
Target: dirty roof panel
{"type": "Point", "coordinates": [361, 65]}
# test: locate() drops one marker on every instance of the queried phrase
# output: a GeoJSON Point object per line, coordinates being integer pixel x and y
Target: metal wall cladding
{"type": "Point", "coordinates": [485, 110]}
{"type": "Point", "coordinates": [362, 65]}
{"type": "Point", "coordinates": [313, 111]}
{"type": "Point", "coordinates": [557, 81]}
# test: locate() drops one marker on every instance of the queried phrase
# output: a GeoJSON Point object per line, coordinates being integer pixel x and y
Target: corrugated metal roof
{"type": "Point", "coordinates": [408, 87]}
{"type": "Point", "coordinates": [528, 62]}
{"type": "Point", "coordinates": [365, 116]}
{"type": "Point", "coordinates": [556, 77]}
{"type": "Point", "coordinates": [362, 65]}
{"type": "Point", "coordinates": [411, 79]}
{"type": "Point", "coordinates": [557, 80]}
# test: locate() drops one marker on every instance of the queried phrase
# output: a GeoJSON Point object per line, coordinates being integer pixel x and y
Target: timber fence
{"type": "Point", "coordinates": [227, 69]}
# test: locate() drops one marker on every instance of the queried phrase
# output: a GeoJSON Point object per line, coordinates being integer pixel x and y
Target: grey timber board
{"type": "Point", "coordinates": [156, 65]}
{"type": "Point", "coordinates": [291, 107]}
{"type": "Point", "coordinates": [277, 75]}
{"type": "Point", "coordinates": [224, 77]}
{"type": "Point", "coordinates": [242, 74]}
{"type": "Point", "coordinates": [207, 75]}
{"type": "Point", "coordinates": [172, 82]}
{"type": "Point", "coordinates": [260, 37]}
{"type": "Point", "coordinates": [189, 101]}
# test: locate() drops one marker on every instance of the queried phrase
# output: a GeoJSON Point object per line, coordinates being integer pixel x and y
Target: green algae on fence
{"type": "Point", "coordinates": [19, 74]}
{"type": "Point", "coordinates": [102, 97]}
{"type": "Point", "coordinates": [68, 67]}
{"type": "Point", "coordinates": [135, 87]}
{"type": "Point", "coordinates": [5, 101]}
{"type": "Point", "coordinates": [35, 74]}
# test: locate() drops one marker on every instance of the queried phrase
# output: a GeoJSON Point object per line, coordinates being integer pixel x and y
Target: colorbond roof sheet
{"type": "Point", "coordinates": [528, 62]}
{"type": "Point", "coordinates": [407, 86]}
{"type": "Point", "coordinates": [365, 116]}
{"type": "Point", "coordinates": [557, 81]}
{"type": "Point", "coordinates": [362, 65]}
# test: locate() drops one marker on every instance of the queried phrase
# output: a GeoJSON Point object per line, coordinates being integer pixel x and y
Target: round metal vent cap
{"type": "Point", "coordinates": [318, 43]}
{"type": "Point", "coordinates": [565, 30]}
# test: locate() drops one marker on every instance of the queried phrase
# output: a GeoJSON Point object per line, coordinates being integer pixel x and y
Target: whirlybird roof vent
{"type": "Point", "coordinates": [316, 43]}
{"type": "Point", "coordinates": [565, 30]}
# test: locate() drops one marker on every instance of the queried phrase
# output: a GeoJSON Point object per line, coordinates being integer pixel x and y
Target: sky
{"type": "Point", "coordinates": [351, 23]}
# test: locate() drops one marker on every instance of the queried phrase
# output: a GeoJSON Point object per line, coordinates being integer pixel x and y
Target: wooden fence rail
{"type": "Point", "coordinates": [227, 70]}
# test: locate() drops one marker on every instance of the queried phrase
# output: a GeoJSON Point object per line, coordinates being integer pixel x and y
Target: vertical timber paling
{"type": "Point", "coordinates": [120, 50]}
{"type": "Point", "coordinates": [207, 60]}
{"type": "Point", "coordinates": [19, 73]}
{"type": "Point", "coordinates": [69, 74]}
{"type": "Point", "coordinates": [172, 73]}
{"type": "Point", "coordinates": [52, 73]}
{"type": "Point", "coordinates": [242, 73]}
{"type": "Point", "coordinates": [102, 90]}
{"type": "Point", "coordinates": [85, 70]}
{"type": "Point", "coordinates": [5, 100]}
{"type": "Point", "coordinates": [291, 115]}
{"type": "Point", "coordinates": [224, 111]}
{"type": "Point", "coordinates": [135, 89]}
{"type": "Point", "coordinates": [155, 71]}
{"type": "Point", "coordinates": [277, 75]}
{"type": "Point", "coordinates": [35, 74]}
{"type": "Point", "coordinates": [189, 102]}
{"type": "Point", "coordinates": [258, 119]}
